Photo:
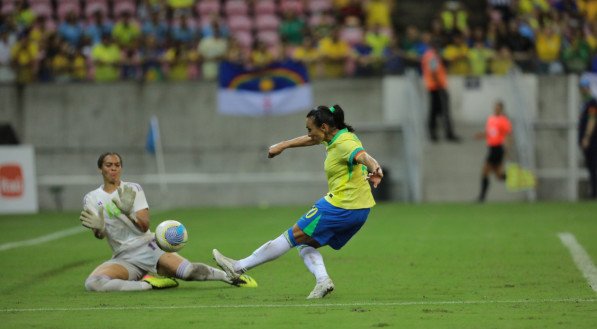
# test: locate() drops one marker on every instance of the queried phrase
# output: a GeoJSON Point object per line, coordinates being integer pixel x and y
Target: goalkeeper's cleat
{"type": "Point", "coordinates": [244, 281]}
{"type": "Point", "coordinates": [160, 282]}
{"type": "Point", "coordinates": [322, 289]}
{"type": "Point", "coordinates": [226, 264]}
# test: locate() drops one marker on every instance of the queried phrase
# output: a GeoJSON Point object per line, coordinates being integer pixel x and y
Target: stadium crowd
{"type": "Point", "coordinates": [154, 40]}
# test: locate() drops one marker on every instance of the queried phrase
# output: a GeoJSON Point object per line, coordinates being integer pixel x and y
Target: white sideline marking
{"type": "Point", "coordinates": [42, 239]}
{"type": "Point", "coordinates": [406, 303]}
{"type": "Point", "coordinates": [581, 258]}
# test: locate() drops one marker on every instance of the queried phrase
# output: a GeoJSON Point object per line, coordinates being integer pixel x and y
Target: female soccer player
{"type": "Point", "coordinates": [497, 130]}
{"type": "Point", "coordinates": [118, 211]}
{"type": "Point", "coordinates": [336, 217]}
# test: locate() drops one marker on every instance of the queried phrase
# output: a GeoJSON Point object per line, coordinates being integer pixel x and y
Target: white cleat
{"type": "Point", "coordinates": [226, 264]}
{"type": "Point", "coordinates": [322, 289]}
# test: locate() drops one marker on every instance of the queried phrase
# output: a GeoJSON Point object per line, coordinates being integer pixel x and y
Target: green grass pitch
{"type": "Point", "coordinates": [411, 266]}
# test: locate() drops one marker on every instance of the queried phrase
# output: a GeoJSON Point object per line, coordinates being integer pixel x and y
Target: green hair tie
{"type": "Point", "coordinates": [332, 109]}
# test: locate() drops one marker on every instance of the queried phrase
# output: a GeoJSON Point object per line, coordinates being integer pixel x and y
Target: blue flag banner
{"type": "Point", "coordinates": [153, 134]}
{"type": "Point", "coordinates": [278, 89]}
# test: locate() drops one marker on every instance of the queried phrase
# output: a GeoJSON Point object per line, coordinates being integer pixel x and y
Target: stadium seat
{"type": "Point", "coordinates": [208, 7]}
{"type": "Point", "coordinates": [319, 19]}
{"type": "Point", "coordinates": [352, 35]}
{"type": "Point", "coordinates": [240, 23]}
{"type": "Point", "coordinates": [270, 38]}
{"type": "Point", "coordinates": [267, 22]}
{"type": "Point", "coordinates": [295, 6]}
{"type": "Point", "coordinates": [244, 39]}
{"type": "Point", "coordinates": [122, 6]}
{"type": "Point", "coordinates": [7, 7]}
{"type": "Point", "coordinates": [96, 5]}
{"type": "Point", "coordinates": [41, 7]}
{"type": "Point", "coordinates": [318, 6]}
{"type": "Point", "coordinates": [51, 24]}
{"type": "Point", "coordinates": [264, 7]}
{"type": "Point", "coordinates": [67, 6]}
{"type": "Point", "coordinates": [236, 8]}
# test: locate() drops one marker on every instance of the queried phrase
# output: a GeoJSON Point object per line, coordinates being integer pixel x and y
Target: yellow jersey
{"type": "Point", "coordinates": [348, 187]}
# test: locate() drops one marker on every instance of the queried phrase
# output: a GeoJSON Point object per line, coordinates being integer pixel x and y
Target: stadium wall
{"type": "Point", "coordinates": [71, 124]}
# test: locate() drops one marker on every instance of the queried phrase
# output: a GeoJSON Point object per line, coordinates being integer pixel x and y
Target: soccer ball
{"type": "Point", "coordinates": [171, 236]}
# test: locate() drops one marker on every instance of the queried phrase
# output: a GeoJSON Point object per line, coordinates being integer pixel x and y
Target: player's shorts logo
{"type": "Point", "coordinates": [12, 184]}
{"type": "Point", "coordinates": [311, 213]}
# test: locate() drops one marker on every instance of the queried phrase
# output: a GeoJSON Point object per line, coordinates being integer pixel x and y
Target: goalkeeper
{"type": "Point", "coordinates": [118, 211]}
{"type": "Point", "coordinates": [336, 217]}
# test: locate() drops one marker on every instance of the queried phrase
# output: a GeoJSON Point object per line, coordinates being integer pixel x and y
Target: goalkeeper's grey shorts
{"type": "Point", "coordinates": [139, 260]}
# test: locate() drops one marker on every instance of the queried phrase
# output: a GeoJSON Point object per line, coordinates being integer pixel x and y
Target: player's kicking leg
{"type": "Point", "coordinates": [188, 271]}
{"type": "Point", "coordinates": [267, 252]}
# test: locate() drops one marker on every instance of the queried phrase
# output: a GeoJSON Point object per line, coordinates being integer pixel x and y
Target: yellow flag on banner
{"type": "Point", "coordinates": [518, 178]}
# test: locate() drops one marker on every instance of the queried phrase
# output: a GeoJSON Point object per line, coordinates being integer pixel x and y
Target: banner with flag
{"type": "Point", "coordinates": [278, 89]}
{"type": "Point", "coordinates": [518, 178]}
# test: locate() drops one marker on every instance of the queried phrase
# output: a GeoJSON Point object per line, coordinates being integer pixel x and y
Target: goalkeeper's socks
{"type": "Point", "coordinates": [314, 262]}
{"type": "Point", "coordinates": [105, 283]}
{"type": "Point", "coordinates": [269, 251]}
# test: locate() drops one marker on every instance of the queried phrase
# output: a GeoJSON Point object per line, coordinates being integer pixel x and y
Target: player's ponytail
{"type": "Point", "coordinates": [338, 114]}
{"type": "Point", "coordinates": [333, 116]}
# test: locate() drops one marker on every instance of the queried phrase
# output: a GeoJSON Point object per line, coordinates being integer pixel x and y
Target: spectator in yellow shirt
{"type": "Point", "coordinates": [308, 53]}
{"type": "Point", "coordinates": [126, 31]}
{"type": "Point", "coordinates": [377, 12]}
{"type": "Point", "coordinates": [548, 47]}
{"type": "Point", "coordinates": [106, 59]}
{"type": "Point", "coordinates": [456, 56]}
{"type": "Point", "coordinates": [502, 62]}
{"type": "Point", "coordinates": [181, 60]}
{"type": "Point", "coordinates": [528, 6]}
{"type": "Point", "coordinates": [335, 54]}
{"type": "Point", "coordinates": [25, 55]}
{"type": "Point", "coordinates": [78, 65]}
{"type": "Point", "coordinates": [479, 57]}
{"type": "Point", "coordinates": [589, 9]}
{"type": "Point", "coordinates": [60, 65]}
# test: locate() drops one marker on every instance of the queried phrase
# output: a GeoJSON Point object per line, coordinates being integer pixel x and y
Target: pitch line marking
{"type": "Point", "coordinates": [406, 303]}
{"type": "Point", "coordinates": [42, 239]}
{"type": "Point", "coordinates": [581, 258]}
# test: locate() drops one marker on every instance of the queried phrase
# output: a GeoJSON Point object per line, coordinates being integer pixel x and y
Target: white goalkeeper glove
{"type": "Point", "coordinates": [93, 221]}
{"type": "Point", "coordinates": [125, 200]}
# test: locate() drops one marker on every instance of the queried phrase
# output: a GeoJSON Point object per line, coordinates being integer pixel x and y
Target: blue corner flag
{"type": "Point", "coordinates": [153, 135]}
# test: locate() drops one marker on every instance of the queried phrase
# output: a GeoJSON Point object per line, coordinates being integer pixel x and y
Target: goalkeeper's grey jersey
{"type": "Point", "coordinates": [121, 233]}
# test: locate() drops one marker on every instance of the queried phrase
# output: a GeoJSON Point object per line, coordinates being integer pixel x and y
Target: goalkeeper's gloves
{"type": "Point", "coordinates": [125, 200]}
{"type": "Point", "coordinates": [92, 220]}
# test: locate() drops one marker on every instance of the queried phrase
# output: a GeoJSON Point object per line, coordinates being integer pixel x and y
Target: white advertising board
{"type": "Point", "coordinates": [18, 187]}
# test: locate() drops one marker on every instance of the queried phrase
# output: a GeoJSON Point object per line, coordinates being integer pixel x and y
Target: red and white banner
{"type": "Point", "coordinates": [18, 187]}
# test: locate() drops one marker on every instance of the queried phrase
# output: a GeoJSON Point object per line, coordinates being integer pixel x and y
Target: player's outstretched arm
{"type": "Point", "coordinates": [300, 141]}
{"type": "Point", "coordinates": [375, 173]}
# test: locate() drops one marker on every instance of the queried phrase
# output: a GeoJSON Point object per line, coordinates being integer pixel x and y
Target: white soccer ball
{"type": "Point", "coordinates": [171, 235]}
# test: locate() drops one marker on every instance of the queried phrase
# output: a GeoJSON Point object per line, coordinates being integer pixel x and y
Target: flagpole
{"type": "Point", "coordinates": [159, 153]}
